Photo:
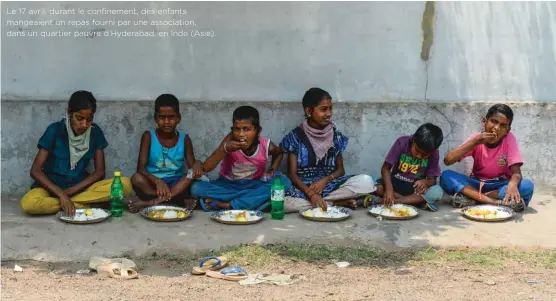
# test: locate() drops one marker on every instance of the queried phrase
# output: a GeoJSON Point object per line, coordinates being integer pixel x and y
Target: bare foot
{"type": "Point", "coordinates": [190, 203]}
{"type": "Point", "coordinates": [218, 205]}
{"type": "Point", "coordinates": [352, 204]}
{"type": "Point", "coordinates": [136, 206]}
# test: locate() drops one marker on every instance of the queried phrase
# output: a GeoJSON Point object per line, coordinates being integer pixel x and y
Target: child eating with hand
{"type": "Point", "coordinates": [410, 170]}
{"type": "Point", "coordinates": [496, 175]}
{"type": "Point", "coordinates": [244, 153]}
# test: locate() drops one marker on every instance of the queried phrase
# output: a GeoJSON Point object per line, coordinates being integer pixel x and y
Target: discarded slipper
{"type": "Point", "coordinates": [96, 261]}
{"type": "Point", "coordinates": [117, 271]}
{"type": "Point", "coordinates": [210, 264]}
{"type": "Point", "coordinates": [230, 274]}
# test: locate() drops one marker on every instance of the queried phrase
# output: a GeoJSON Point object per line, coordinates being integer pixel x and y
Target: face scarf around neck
{"type": "Point", "coordinates": [78, 145]}
{"type": "Point", "coordinates": [321, 140]}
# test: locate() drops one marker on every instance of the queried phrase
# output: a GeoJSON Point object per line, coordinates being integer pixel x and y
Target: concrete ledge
{"type": "Point", "coordinates": [47, 239]}
{"type": "Point", "coordinates": [372, 128]}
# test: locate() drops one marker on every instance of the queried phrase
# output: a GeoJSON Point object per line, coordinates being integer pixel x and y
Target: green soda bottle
{"type": "Point", "coordinates": [277, 194]}
{"type": "Point", "coordinates": [117, 196]}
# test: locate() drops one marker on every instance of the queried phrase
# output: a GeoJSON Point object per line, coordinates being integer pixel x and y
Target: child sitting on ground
{"type": "Point", "coordinates": [59, 169]}
{"type": "Point", "coordinates": [161, 171]}
{"type": "Point", "coordinates": [244, 155]}
{"type": "Point", "coordinates": [410, 170]}
{"type": "Point", "coordinates": [315, 161]}
{"type": "Point", "coordinates": [496, 175]}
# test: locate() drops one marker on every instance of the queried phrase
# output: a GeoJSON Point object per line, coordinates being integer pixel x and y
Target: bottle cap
{"type": "Point", "coordinates": [117, 174]}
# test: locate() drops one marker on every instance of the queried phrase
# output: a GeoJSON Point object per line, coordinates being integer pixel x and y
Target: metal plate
{"type": "Point", "coordinates": [505, 213]}
{"type": "Point", "coordinates": [395, 218]}
{"type": "Point", "coordinates": [217, 216]}
{"type": "Point", "coordinates": [145, 213]}
{"type": "Point", "coordinates": [344, 210]}
{"type": "Point", "coordinates": [69, 219]}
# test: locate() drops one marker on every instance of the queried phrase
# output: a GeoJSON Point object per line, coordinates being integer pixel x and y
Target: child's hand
{"type": "Point", "coordinates": [485, 137]}
{"type": "Point", "coordinates": [319, 185]}
{"type": "Point", "coordinates": [233, 145]}
{"type": "Point", "coordinates": [420, 187]}
{"type": "Point", "coordinates": [67, 205]}
{"type": "Point", "coordinates": [389, 198]}
{"type": "Point", "coordinates": [197, 169]}
{"type": "Point", "coordinates": [318, 201]}
{"type": "Point", "coordinates": [163, 191]}
{"type": "Point", "coordinates": [512, 194]}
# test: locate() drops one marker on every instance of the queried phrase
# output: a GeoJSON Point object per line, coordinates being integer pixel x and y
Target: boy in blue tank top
{"type": "Point", "coordinates": [161, 169]}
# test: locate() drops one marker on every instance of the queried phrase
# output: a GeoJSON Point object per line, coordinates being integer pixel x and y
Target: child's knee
{"type": "Point", "coordinates": [448, 181]}
{"type": "Point", "coordinates": [526, 187]}
{"type": "Point", "coordinates": [197, 188]}
{"type": "Point", "coordinates": [29, 203]}
{"type": "Point", "coordinates": [434, 193]}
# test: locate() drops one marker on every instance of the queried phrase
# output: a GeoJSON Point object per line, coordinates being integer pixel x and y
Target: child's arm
{"type": "Point", "coordinates": [226, 146]}
{"type": "Point", "coordinates": [315, 198]}
{"type": "Point", "coordinates": [162, 189]}
{"type": "Point", "coordinates": [319, 185]}
{"type": "Point", "coordinates": [386, 174]}
{"type": "Point", "coordinates": [40, 177]}
{"type": "Point", "coordinates": [195, 165]}
{"type": "Point", "coordinates": [457, 153]}
{"type": "Point", "coordinates": [512, 193]}
{"type": "Point", "coordinates": [277, 155]}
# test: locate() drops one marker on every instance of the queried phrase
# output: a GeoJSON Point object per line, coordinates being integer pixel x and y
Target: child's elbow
{"type": "Point", "coordinates": [448, 161]}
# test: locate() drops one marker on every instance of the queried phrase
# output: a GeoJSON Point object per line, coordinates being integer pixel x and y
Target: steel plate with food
{"type": "Point", "coordinates": [166, 213]}
{"type": "Point", "coordinates": [237, 217]}
{"type": "Point", "coordinates": [332, 214]}
{"type": "Point", "coordinates": [395, 212]}
{"type": "Point", "coordinates": [488, 213]}
{"type": "Point", "coordinates": [85, 216]}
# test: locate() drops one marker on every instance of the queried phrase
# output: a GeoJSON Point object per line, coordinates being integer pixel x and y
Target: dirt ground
{"type": "Point", "coordinates": [159, 280]}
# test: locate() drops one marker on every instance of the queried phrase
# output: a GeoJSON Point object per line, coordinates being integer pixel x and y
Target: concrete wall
{"type": "Point", "coordinates": [368, 55]}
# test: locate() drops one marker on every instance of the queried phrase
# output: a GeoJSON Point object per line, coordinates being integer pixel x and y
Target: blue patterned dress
{"type": "Point", "coordinates": [307, 167]}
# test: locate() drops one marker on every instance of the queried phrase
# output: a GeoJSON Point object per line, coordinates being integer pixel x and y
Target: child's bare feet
{"type": "Point", "coordinates": [136, 206]}
{"type": "Point", "coordinates": [190, 203]}
{"type": "Point", "coordinates": [352, 204]}
{"type": "Point", "coordinates": [212, 205]}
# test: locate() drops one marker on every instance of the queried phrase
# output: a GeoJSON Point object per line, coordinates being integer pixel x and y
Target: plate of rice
{"type": "Point", "coordinates": [85, 216]}
{"type": "Point", "coordinates": [488, 213]}
{"type": "Point", "coordinates": [332, 214]}
{"type": "Point", "coordinates": [166, 213]}
{"type": "Point", "coordinates": [237, 217]}
{"type": "Point", "coordinates": [395, 212]}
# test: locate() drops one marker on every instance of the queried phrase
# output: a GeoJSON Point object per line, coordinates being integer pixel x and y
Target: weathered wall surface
{"type": "Point", "coordinates": [370, 56]}
{"type": "Point", "coordinates": [372, 129]}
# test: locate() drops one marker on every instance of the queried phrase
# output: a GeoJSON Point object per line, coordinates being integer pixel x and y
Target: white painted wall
{"type": "Point", "coordinates": [360, 52]}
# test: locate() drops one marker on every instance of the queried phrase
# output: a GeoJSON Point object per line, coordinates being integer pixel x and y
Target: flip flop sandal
{"type": "Point", "coordinates": [370, 201]}
{"type": "Point", "coordinates": [461, 201]}
{"type": "Point", "coordinates": [212, 205]}
{"type": "Point", "coordinates": [431, 206]}
{"type": "Point", "coordinates": [210, 264]}
{"type": "Point", "coordinates": [231, 274]}
{"type": "Point", "coordinates": [96, 261]}
{"type": "Point", "coordinates": [117, 271]}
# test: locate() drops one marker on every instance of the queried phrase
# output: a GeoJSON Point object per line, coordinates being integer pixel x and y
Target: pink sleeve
{"type": "Point", "coordinates": [469, 153]}
{"type": "Point", "coordinates": [514, 156]}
